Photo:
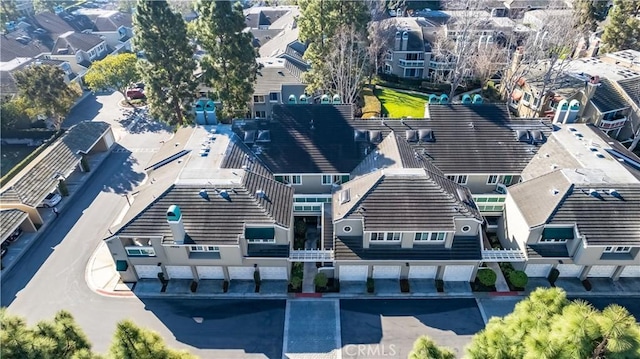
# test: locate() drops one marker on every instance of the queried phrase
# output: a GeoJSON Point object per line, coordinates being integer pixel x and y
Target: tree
{"type": "Point", "coordinates": [548, 325]}
{"type": "Point", "coordinates": [623, 30]}
{"type": "Point", "coordinates": [346, 63]}
{"type": "Point", "coordinates": [318, 23]}
{"type": "Point", "coordinates": [168, 67]}
{"type": "Point", "coordinates": [131, 341]}
{"type": "Point", "coordinates": [380, 34]}
{"type": "Point", "coordinates": [425, 348]}
{"type": "Point", "coordinates": [8, 11]}
{"type": "Point", "coordinates": [15, 115]}
{"type": "Point", "coordinates": [113, 72]}
{"type": "Point", "coordinates": [230, 64]}
{"type": "Point", "coordinates": [127, 6]}
{"type": "Point", "coordinates": [589, 13]}
{"type": "Point", "coordinates": [61, 338]}
{"type": "Point", "coordinates": [44, 88]}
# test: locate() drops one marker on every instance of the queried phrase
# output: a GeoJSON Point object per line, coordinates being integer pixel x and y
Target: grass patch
{"type": "Point", "coordinates": [399, 104]}
{"type": "Point", "coordinates": [20, 166]}
{"type": "Point", "coordinates": [372, 106]}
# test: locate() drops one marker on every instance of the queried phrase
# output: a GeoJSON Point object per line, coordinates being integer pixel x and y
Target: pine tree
{"type": "Point", "coordinates": [230, 64]}
{"type": "Point", "coordinates": [426, 348]}
{"type": "Point", "coordinates": [131, 341]}
{"type": "Point", "coordinates": [623, 30]}
{"type": "Point", "coordinates": [589, 13]}
{"type": "Point", "coordinates": [168, 68]}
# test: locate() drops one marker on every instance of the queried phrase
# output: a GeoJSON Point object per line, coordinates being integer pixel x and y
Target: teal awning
{"type": "Point", "coordinates": [557, 233]}
{"type": "Point", "coordinates": [121, 266]}
{"type": "Point", "coordinates": [259, 233]}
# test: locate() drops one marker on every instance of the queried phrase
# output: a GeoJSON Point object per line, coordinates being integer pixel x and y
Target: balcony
{"type": "Point", "coordinates": [411, 63]}
{"type": "Point", "coordinates": [311, 255]}
{"type": "Point", "coordinates": [612, 124]}
{"type": "Point", "coordinates": [503, 255]}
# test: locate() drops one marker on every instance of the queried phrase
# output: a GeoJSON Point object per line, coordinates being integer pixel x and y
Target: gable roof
{"type": "Point", "coordinates": [607, 97]}
{"type": "Point", "coordinates": [467, 138]}
{"type": "Point", "coordinates": [272, 75]}
{"type": "Point", "coordinates": [13, 49]}
{"type": "Point", "coordinates": [112, 21]}
{"type": "Point", "coordinates": [632, 88]}
{"type": "Point", "coordinates": [538, 198]}
{"type": "Point", "coordinates": [75, 41]}
{"type": "Point", "coordinates": [9, 220]}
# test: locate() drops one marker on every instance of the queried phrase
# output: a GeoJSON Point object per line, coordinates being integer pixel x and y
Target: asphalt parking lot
{"type": "Point", "coordinates": [375, 328]}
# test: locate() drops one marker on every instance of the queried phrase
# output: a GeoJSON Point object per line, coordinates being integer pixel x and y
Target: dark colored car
{"type": "Point", "coordinates": [135, 93]}
{"type": "Point", "coordinates": [12, 238]}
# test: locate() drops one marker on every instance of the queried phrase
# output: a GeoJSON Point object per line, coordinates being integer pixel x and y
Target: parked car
{"type": "Point", "coordinates": [135, 93]}
{"type": "Point", "coordinates": [51, 200]}
{"type": "Point", "coordinates": [12, 238]}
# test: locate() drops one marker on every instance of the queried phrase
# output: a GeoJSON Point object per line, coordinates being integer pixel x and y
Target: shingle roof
{"type": "Point", "coordinates": [271, 78]}
{"type": "Point", "coordinates": [297, 148]}
{"type": "Point", "coordinates": [537, 198]}
{"type": "Point", "coordinates": [216, 221]}
{"type": "Point", "coordinates": [547, 250]}
{"type": "Point", "coordinates": [468, 138]}
{"type": "Point", "coordinates": [239, 155]}
{"type": "Point", "coordinates": [632, 88]}
{"type": "Point", "coordinates": [60, 159]}
{"type": "Point", "coordinates": [463, 248]}
{"type": "Point", "coordinates": [607, 98]}
{"type": "Point", "coordinates": [75, 41]}
{"type": "Point", "coordinates": [9, 219]}
{"type": "Point", "coordinates": [262, 36]}
{"type": "Point", "coordinates": [112, 22]}
{"type": "Point", "coordinates": [12, 48]}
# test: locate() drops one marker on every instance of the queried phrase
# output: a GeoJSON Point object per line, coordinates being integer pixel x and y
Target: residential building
{"type": "Point", "coordinates": [278, 81]}
{"type": "Point", "coordinates": [577, 210]}
{"type": "Point", "coordinates": [518, 8]}
{"type": "Point", "coordinates": [411, 52]}
{"type": "Point", "coordinates": [8, 86]}
{"type": "Point", "coordinates": [114, 27]}
{"type": "Point", "coordinates": [79, 48]}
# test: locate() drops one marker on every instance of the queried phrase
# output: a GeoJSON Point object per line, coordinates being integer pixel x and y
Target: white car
{"type": "Point", "coordinates": [51, 200]}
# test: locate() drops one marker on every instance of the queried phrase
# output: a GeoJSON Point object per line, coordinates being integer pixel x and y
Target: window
{"type": "Point", "coordinates": [272, 240]}
{"type": "Point", "coordinates": [438, 236]}
{"type": "Point", "coordinates": [258, 99]}
{"type": "Point", "coordinates": [553, 240]}
{"type": "Point", "coordinates": [288, 179]}
{"type": "Point", "coordinates": [261, 114]}
{"type": "Point", "coordinates": [385, 236]}
{"type": "Point", "coordinates": [204, 249]}
{"type": "Point", "coordinates": [506, 180]}
{"type": "Point", "coordinates": [388, 56]}
{"type": "Point", "coordinates": [617, 249]}
{"type": "Point", "coordinates": [387, 69]}
{"type": "Point", "coordinates": [140, 251]}
{"type": "Point", "coordinates": [415, 56]}
{"type": "Point", "coordinates": [337, 179]}
{"type": "Point", "coordinates": [527, 97]}
{"type": "Point", "coordinates": [466, 229]}
{"type": "Point", "coordinates": [273, 97]}
{"type": "Point", "coordinates": [493, 179]}
{"type": "Point", "coordinates": [430, 236]}
{"type": "Point", "coordinates": [459, 179]}
{"type": "Point", "coordinates": [346, 229]}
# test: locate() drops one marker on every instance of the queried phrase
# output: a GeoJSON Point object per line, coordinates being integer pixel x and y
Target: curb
{"type": "Point", "coordinates": [46, 225]}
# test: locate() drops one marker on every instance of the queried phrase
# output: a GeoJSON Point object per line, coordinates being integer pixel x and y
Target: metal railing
{"type": "Point", "coordinates": [503, 255]}
{"type": "Point", "coordinates": [311, 255]}
{"type": "Point", "coordinates": [610, 124]}
{"type": "Point", "coordinates": [411, 63]}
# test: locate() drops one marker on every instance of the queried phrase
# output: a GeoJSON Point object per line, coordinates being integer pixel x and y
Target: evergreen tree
{"type": "Point", "coordinates": [548, 325]}
{"type": "Point", "coordinates": [623, 30]}
{"type": "Point", "coordinates": [44, 88]}
{"type": "Point", "coordinates": [168, 67]}
{"type": "Point", "coordinates": [230, 64]}
{"type": "Point", "coordinates": [8, 11]}
{"type": "Point", "coordinates": [589, 13]}
{"type": "Point", "coordinates": [113, 72]}
{"type": "Point", "coordinates": [319, 21]}
{"type": "Point", "coordinates": [131, 341]}
{"type": "Point", "coordinates": [426, 348]}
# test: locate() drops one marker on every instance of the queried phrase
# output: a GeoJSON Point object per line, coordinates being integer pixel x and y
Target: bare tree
{"type": "Point", "coordinates": [347, 62]}
{"type": "Point", "coordinates": [490, 59]}
{"type": "Point", "coordinates": [380, 37]}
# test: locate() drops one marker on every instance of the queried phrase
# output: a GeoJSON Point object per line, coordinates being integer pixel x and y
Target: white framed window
{"type": "Point", "coordinates": [271, 240]}
{"type": "Point", "coordinates": [204, 249]}
{"type": "Point", "coordinates": [506, 180]}
{"type": "Point", "coordinates": [261, 114]}
{"type": "Point", "coordinates": [493, 179]}
{"type": "Point", "coordinates": [438, 236]}
{"type": "Point", "coordinates": [430, 236]}
{"type": "Point", "coordinates": [289, 179]}
{"type": "Point", "coordinates": [337, 179]}
{"type": "Point", "coordinates": [385, 236]}
{"type": "Point", "coordinates": [617, 249]}
{"type": "Point", "coordinates": [273, 97]}
{"type": "Point", "coordinates": [258, 99]}
{"type": "Point", "coordinates": [553, 240]}
{"type": "Point", "coordinates": [140, 251]}
{"type": "Point", "coordinates": [526, 98]}
{"type": "Point", "coordinates": [459, 179]}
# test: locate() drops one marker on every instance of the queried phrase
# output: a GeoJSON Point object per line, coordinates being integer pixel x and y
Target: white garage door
{"type": "Point", "coordinates": [179, 272]}
{"type": "Point", "coordinates": [386, 272]}
{"type": "Point", "coordinates": [458, 273]}
{"type": "Point", "coordinates": [538, 270]}
{"type": "Point", "coordinates": [353, 273]}
{"type": "Point", "coordinates": [210, 272]}
{"type": "Point", "coordinates": [244, 273]}
{"type": "Point", "coordinates": [631, 272]}
{"type": "Point", "coordinates": [423, 272]}
{"type": "Point", "coordinates": [601, 271]}
{"type": "Point", "coordinates": [147, 271]}
{"type": "Point", "coordinates": [273, 273]}
{"type": "Point", "coordinates": [569, 270]}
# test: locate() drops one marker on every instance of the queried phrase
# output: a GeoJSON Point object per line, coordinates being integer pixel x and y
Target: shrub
{"type": "Point", "coordinates": [370, 285]}
{"type": "Point", "coordinates": [487, 277]}
{"type": "Point", "coordinates": [62, 187]}
{"type": "Point", "coordinates": [320, 280]}
{"type": "Point", "coordinates": [300, 227]}
{"type": "Point", "coordinates": [518, 278]}
{"type": "Point", "coordinates": [553, 276]}
{"type": "Point", "coordinates": [296, 282]}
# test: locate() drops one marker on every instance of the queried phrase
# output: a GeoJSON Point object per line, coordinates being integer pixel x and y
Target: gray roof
{"type": "Point", "coordinates": [536, 4]}
{"type": "Point", "coordinates": [268, 250]}
{"type": "Point", "coordinates": [238, 155]}
{"type": "Point", "coordinates": [278, 44]}
{"type": "Point", "coordinates": [468, 138]}
{"type": "Point", "coordinates": [297, 148]}
{"type": "Point", "coordinates": [632, 88]}
{"type": "Point", "coordinates": [413, 200]}
{"type": "Point", "coordinates": [264, 17]}
{"type": "Point", "coordinates": [61, 158]}
{"type": "Point", "coordinates": [216, 221]}
{"type": "Point", "coordinates": [463, 248]}
{"type": "Point", "coordinates": [10, 219]}
{"type": "Point", "coordinates": [547, 250]}
{"type": "Point", "coordinates": [607, 97]}
{"type": "Point", "coordinates": [535, 198]}
{"type": "Point", "coordinates": [262, 36]}
{"type": "Point", "coordinates": [270, 79]}
{"type": "Point", "coordinates": [12, 48]}
{"type": "Point", "coordinates": [75, 41]}
{"type": "Point", "coordinates": [113, 22]}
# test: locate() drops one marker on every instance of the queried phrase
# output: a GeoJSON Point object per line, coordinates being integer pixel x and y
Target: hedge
{"type": "Point", "coordinates": [487, 277]}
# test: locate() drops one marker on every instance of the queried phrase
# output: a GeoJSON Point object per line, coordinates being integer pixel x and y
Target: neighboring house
{"type": "Point", "coordinates": [411, 52]}
{"type": "Point", "coordinates": [518, 8]}
{"type": "Point", "coordinates": [278, 81]}
{"type": "Point", "coordinates": [577, 210]}
{"type": "Point", "coordinates": [79, 48]}
{"type": "Point", "coordinates": [26, 191]}
{"type": "Point", "coordinates": [116, 28]}
{"type": "Point", "coordinates": [24, 7]}
{"type": "Point", "coordinates": [8, 85]}
{"type": "Point", "coordinates": [216, 213]}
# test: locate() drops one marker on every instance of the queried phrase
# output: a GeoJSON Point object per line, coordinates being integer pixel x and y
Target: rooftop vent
{"type": "Point", "coordinates": [426, 135]}
{"type": "Point", "coordinates": [203, 193]}
{"type": "Point", "coordinates": [523, 136]}
{"type": "Point", "coordinates": [615, 193]}
{"type": "Point", "coordinates": [264, 136]}
{"type": "Point", "coordinates": [360, 135]}
{"type": "Point", "coordinates": [594, 193]}
{"type": "Point", "coordinates": [345, 196]}
{"type": "Point", "coordinates": [412, 135]}
{"type": "Point", "coordinates": [250, 136]}
{"type": "Point", "coordinates": [261, 194]}
{"type": "Point", "coordinates": [555, 192]}
{"type": "Point", "coordinates": [224, 194]}
{"type": "Point", "coordinates": [537, 136]}
{"type": "Point", "coordinates": [375, 136]}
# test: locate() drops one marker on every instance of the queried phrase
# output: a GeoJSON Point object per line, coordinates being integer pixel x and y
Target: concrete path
{"type": "Point", "coordinates": [310, 269]}
{"type": "Point", "coordinates": [312, 329]}
{"type": "Point", "coordinates": [501, 281]}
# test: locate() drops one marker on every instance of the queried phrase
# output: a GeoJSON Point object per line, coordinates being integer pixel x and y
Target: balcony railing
{"type": "Point", "coordinates": [612, 124]}
{"type": "Point", "coordinates": [503, 255]}
{"type": "Point", "coordinates": [411, 63]}
{"type": "Point", "coordinates": [311, 255]}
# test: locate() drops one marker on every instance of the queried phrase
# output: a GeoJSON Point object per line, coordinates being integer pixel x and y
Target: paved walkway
{"type": "Point", "coordinates": [312, 329]}
{"type": "Point", "coordinates": [501, 282]}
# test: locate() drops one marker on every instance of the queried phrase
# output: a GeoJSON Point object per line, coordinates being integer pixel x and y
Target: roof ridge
{"type": "Point", "coordinates": [141, 212]}
{"type": "Point", "coordinates": [254, 196]}
{"type": "Point", "coordinates": [437, 178]}
{"type": "Point", "coordinates": [356, 204]}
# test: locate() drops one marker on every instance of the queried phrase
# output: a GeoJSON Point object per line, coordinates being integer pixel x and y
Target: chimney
{"type": "Point", "coordinates": [590, 87]}
{"type": "Point", "coordinates": [398, 41]}
{"type": "Point", "coordinates": [405, 40]}
{"type": "Point", "coordinates": [174, 218]}
{"type": "Point", "coordinates": [517, 59]}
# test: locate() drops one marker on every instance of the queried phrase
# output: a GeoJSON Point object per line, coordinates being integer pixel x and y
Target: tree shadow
{"type": "Point", "coordinates": [86, 110]}
{"type": "Point", "coordinates": [127, 179]}
{"type": "Point", "coordinates": [138, 121]}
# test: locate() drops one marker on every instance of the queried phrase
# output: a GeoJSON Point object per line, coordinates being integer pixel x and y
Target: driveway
{"type": "Point", "coordinates": [375, 328]}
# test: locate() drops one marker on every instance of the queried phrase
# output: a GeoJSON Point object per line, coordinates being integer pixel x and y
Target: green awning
{"type": "Point", "coordinates": [259, 233]}
{"type": "Point", "coordinates": [121, 266]}
{"type": "Point", "coordinates": [557, 233]}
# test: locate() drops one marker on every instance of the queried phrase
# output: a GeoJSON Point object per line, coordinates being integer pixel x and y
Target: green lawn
{"type": "Point", "coordinates": [400, 104]}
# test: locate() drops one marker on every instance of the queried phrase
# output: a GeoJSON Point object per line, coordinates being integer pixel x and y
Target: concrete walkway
{"type": "Point", "coordinates": [501, 281]}
{"type": "Point", "coordinates": [310, 269]}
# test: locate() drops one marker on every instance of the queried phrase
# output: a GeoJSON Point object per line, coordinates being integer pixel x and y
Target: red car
{"type": "Point", "coordinates": [136, 93]}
